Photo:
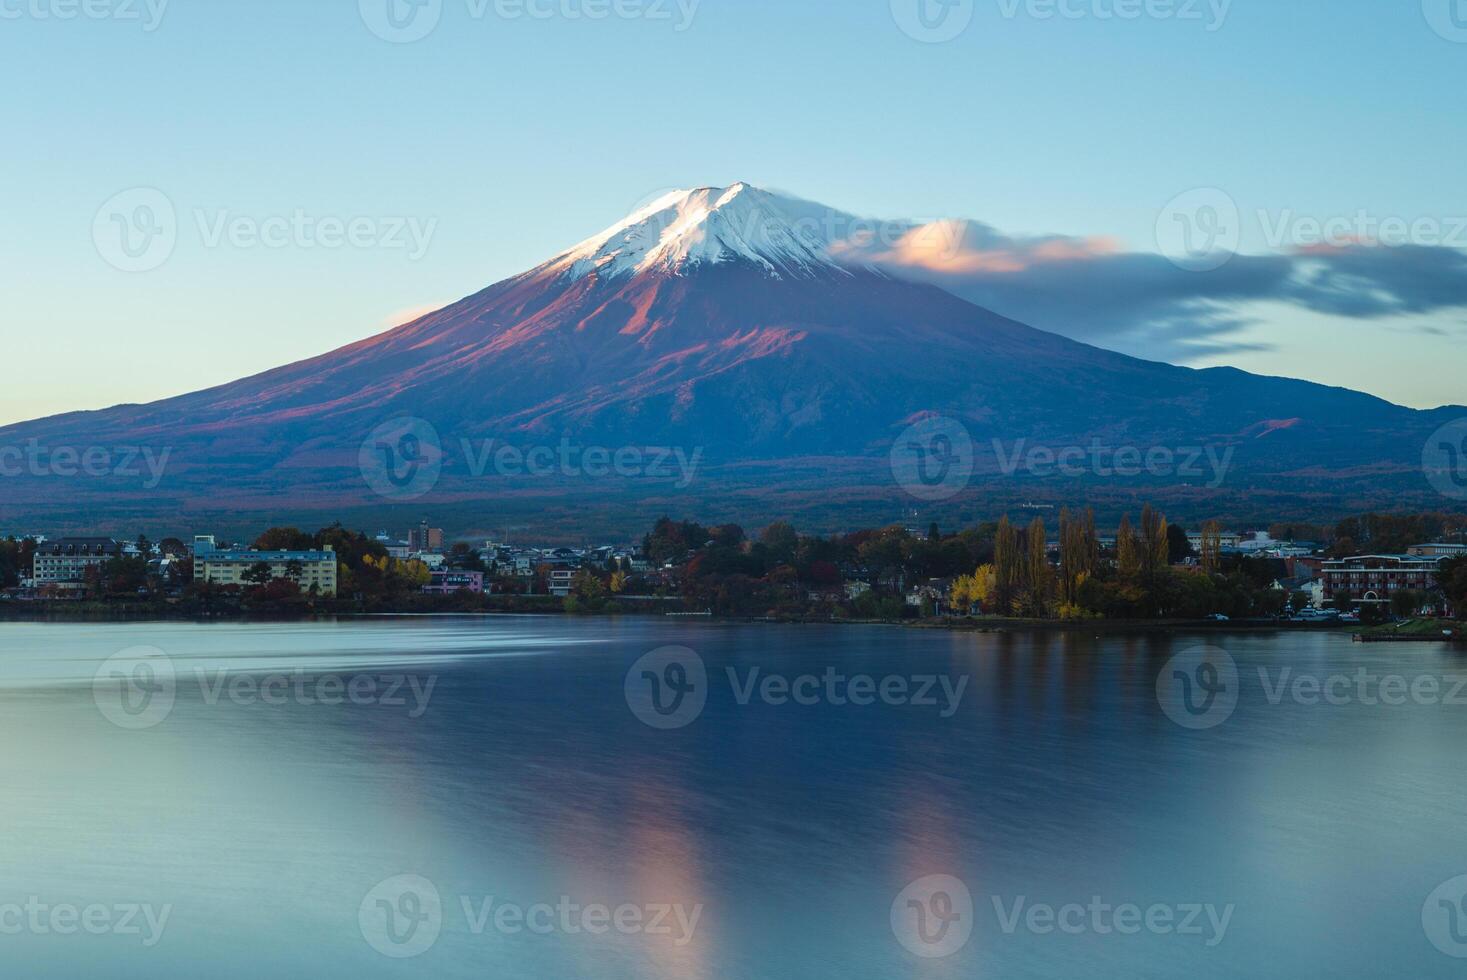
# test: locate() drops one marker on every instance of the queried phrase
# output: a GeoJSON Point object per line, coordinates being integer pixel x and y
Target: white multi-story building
{"type": "Point", "coordinates": [561, 580]}
{"type": "Point", "coordinates": [63, 563]}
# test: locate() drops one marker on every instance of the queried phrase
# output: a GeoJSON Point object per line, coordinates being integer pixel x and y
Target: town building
{"type": "Point", "coordinates": [1375, 578]}
{"type": "Point", "coordinates": [425, 538]}
{"type": "Point", "coordinates": [451, 580]}
{"type": "Point", "coordinates": [1227, 540]}
{"type": "Point", "coordinates": [560, 581]}
{"type": "Point", "coordinates": [309, 569]}
{"type": "Point", "coordinates": [1437, 549]}
{"type": "Point", "coordinates": [934, 591]}
{"type": "Point", "coordinates": [64, 563]}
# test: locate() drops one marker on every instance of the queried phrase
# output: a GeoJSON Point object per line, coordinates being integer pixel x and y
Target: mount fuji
{"type": "Point", "coordinates": [729, 325]}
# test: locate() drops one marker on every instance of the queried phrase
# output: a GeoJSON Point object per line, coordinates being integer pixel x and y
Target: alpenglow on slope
{"type": "Point", "coordinates": [729, 324]}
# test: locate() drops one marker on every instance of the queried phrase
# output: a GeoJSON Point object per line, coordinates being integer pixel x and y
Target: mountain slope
{"type": "Point", "coordinates": [716, 321]}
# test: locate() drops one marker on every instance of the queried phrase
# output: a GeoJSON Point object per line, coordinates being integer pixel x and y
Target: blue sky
{"type": "Point", "coordinates": [503, 138]}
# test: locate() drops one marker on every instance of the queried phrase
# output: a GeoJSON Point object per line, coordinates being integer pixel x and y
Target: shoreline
{"type": "Point", "coordinates": [550, 606]}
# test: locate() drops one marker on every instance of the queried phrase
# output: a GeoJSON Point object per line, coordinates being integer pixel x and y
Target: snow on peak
{"type": "Point", "coordinates": [709, 225]}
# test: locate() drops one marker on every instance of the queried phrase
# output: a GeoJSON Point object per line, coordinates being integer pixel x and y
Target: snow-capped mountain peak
{"type": "Point", "coordinates": [710, 225]}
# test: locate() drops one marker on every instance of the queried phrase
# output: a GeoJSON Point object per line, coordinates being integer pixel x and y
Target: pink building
{"type": "Point", "coordinates": [450, 580]}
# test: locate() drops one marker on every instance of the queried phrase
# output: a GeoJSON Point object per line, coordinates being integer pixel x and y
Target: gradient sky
{"type": "Point", "coordinates": [519, 136]}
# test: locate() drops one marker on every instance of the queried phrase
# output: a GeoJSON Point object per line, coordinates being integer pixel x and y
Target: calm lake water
{"type": "Point", "coordinates": [503, 798]}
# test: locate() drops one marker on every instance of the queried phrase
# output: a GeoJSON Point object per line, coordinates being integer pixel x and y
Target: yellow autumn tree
{"type": "Point", "coordinates": [973, 590]}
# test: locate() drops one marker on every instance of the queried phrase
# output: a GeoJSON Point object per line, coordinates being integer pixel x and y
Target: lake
{"type": "Point", "coordinates": [618, 799]}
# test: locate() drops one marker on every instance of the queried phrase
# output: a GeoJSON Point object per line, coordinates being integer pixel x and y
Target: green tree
{"type": "Point", "coordinates": [1211, 547]}
{"type": "Point", "coordinates": [1006, 566]}
{"type": "Point", "coordinates": [781, 541]}
{"type": "Point", "coordinates": [1179, 546]}
{"type": "Point", "coordinates": [284, 539]}
{"type": "Point", "coordinates": [1038, 575]}
{"type": "Point", "coordinates": [258, 574]}
{"type": "Point", "coordinates": [1155, 547]}
{"type": "Point", "coordinates": [588, 585]}
{"type": "Point", "coordinates": [1452, 579]}
{"type": "Point", "coordinates": [1128, 551]}
{"type": "Point", "coordinates": [1406, 603]}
